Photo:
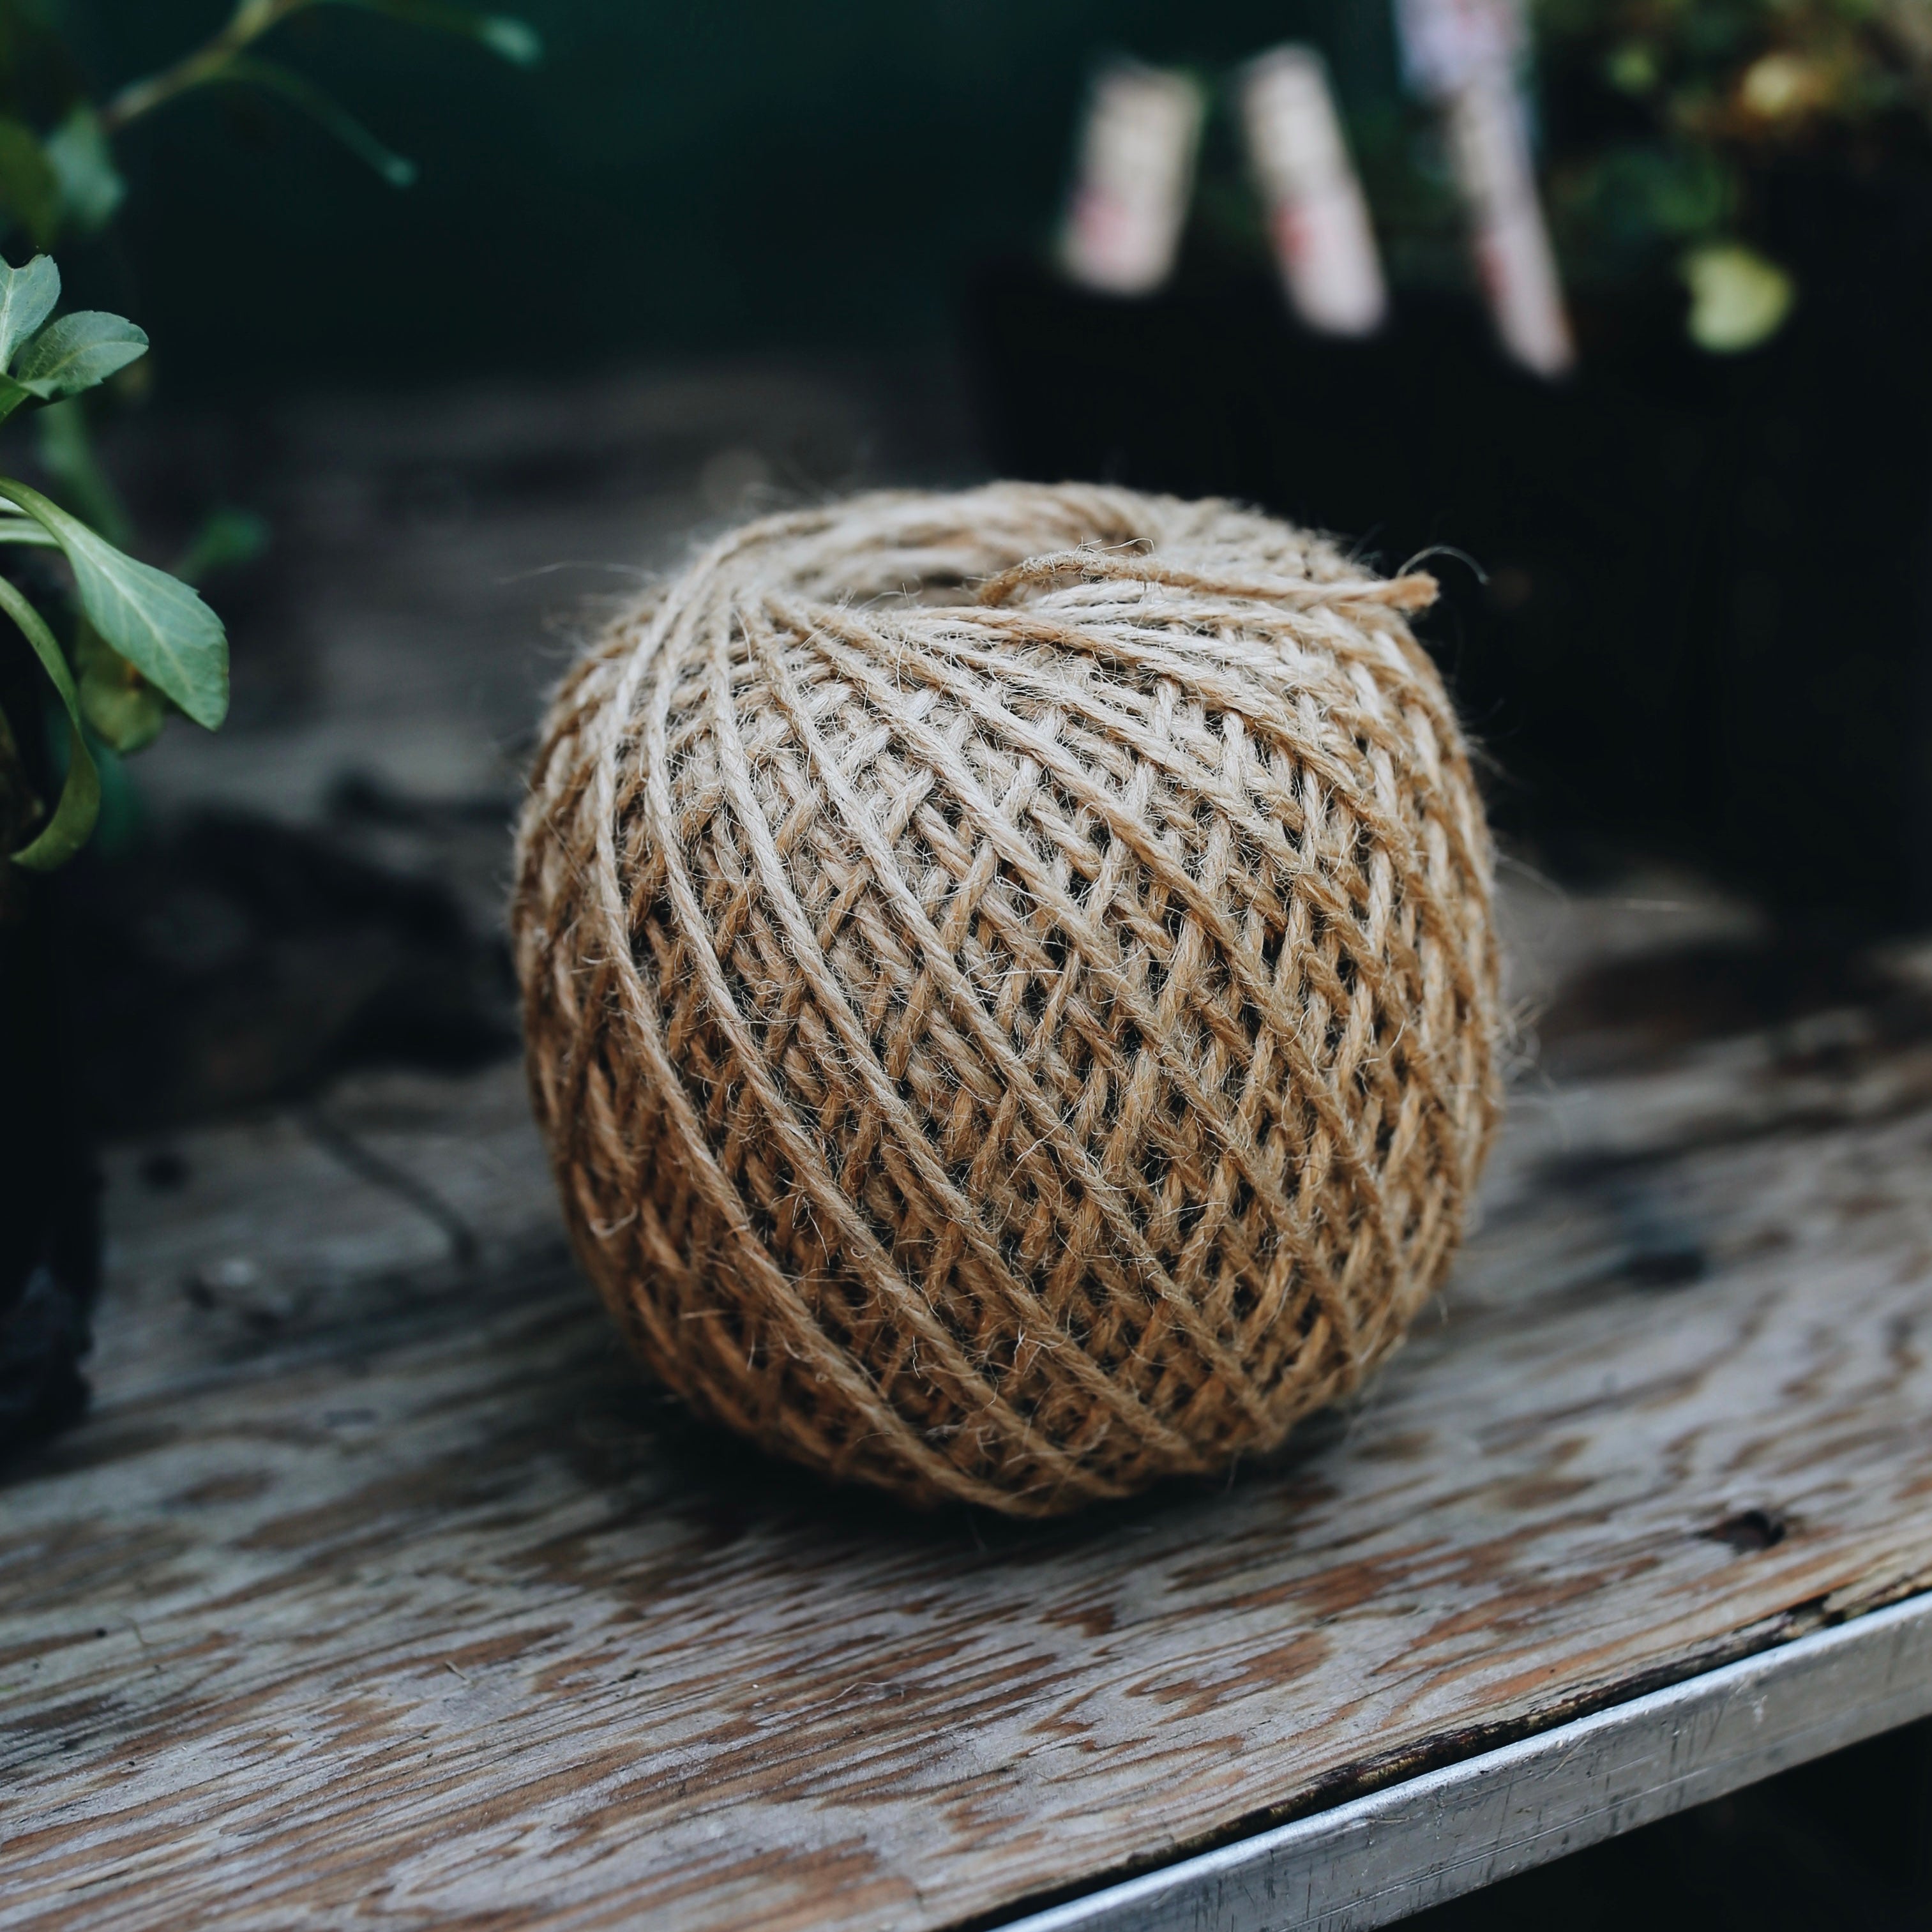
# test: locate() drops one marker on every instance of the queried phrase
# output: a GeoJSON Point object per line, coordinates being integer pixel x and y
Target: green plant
{"type": "Point", "coordinates": [58, 173]}
{"type": "Point", "coordinates": [137, 628]}
{"type": "Point", "coordinates": [1661, 113]}
{"type": "Point", "coordinates": [141, 642]}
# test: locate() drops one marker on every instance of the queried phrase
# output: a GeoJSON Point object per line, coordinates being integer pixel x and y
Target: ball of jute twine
{"type": "Point", "coordinates": [1009, 984]}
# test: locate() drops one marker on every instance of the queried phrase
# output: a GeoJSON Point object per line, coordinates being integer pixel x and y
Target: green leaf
{"type": "Point", "coordinates": [90, 187]}
{"type": "Point", "coordinates": [228, 539]}
{"type": "Point", "coordinates": [66, 832]}
{"type": "Point", "coordinates": [66, 447]}
{"type": "Point", "coordinates": [124, 710]}
{"type": "Point", "coordinates": [25, 530]}
{"type": "Point", "coordinates": [512, 40]}
{"type": "Point", "coordinates": [27, 298]}
{"type": "Point", "coordinates": [160, 626]}
{"type": "Point", "coordinates": [29, 188]}
{"type": "Point", "coordinates": [515, 40]}
{"type": "Point", "coordinates": [396, 170]}
{"type": "Point", "coordinates": [78, 352]}
{"type": "Point", "coordinates": [1739, 297]}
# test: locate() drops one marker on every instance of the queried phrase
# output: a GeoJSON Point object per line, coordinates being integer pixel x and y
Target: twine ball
{"type": "Point", "coordinates": [1009, 984]}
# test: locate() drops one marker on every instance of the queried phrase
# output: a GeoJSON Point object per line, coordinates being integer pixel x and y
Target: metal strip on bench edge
{"type": "Point", "coordinates": [1452, 1831]}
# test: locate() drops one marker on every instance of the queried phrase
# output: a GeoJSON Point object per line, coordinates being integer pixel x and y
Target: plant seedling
{"type": "Point", "coordinates": [143, 642]}
{"type": "Point", "coordinates": [146, 640]}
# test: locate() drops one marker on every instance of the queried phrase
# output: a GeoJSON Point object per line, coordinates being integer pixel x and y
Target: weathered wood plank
{"type": "Point", "coordinates": [1455, 1830]}
{"type": "Point", "coordinates": [398, 1601]}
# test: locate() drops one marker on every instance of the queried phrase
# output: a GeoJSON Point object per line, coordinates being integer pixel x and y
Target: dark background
{"type": "Point", "coordinates": [674, 178]}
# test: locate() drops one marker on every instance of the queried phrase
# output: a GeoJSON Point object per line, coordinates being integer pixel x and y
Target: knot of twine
{"type": "Point", "coordinates": [1009, 984]}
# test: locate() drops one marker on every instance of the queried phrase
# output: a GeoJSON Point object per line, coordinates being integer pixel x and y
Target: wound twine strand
{"type": "Point", "coordinates": [1009, 984]}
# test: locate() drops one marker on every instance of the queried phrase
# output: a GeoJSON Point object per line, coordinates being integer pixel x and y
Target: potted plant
{"type": "Point", "coordinates": [141, 642]}
{"type": "Point", "coordinates": [99, 651]}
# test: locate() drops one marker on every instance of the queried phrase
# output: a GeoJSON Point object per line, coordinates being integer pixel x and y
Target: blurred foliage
{"type": "Point", "coordinates": [1659, 116]}
{"type": "Point", "coordinates": [141, 642]}
{"type": "Point", "coordinates": [58, 170]}
{"type": "Point", "coordinates": [696, 176]}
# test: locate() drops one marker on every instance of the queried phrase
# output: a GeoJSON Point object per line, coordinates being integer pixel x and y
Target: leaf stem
{"type": "Point", "coordinates": [64, 833]}
{"type": "Point", "coordinates": [249, 21]}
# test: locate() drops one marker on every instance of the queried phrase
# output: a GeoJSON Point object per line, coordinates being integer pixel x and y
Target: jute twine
{"type": "Point", "coordinates": [1009, 984]}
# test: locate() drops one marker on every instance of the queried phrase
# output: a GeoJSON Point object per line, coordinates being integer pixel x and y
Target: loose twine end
{"type": "Point", "coordinates": [1415, 590]}
{"type": "Point", "coordinates": [1411, 591]}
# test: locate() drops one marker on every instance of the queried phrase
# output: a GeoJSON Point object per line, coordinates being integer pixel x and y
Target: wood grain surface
{"type": "Point", "coordinates": [377, 1591]}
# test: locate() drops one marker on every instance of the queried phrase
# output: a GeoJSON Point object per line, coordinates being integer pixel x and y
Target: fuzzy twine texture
{"type": "Point", "coordinates": [1009, 981]}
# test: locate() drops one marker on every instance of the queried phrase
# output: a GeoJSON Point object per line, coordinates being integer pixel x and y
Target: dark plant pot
{"type": "Point", "coordinates": [49, 1228]}
{"type": "Point", "coordinates": [1707, 627]}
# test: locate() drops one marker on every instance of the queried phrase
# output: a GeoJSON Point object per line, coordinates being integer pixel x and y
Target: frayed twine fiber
{"type": "Point", "coordinates": [1009, 984]}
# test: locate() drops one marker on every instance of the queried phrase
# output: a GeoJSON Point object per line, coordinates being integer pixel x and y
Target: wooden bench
{"type": "Point", "coordinates": [377, 1587]}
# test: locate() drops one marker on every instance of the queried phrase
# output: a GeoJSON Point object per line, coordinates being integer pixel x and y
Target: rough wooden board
{"type": "Point", "coordinates": [1465, 1825]}
{"type": "Point", "coordinates": [402, 1603]}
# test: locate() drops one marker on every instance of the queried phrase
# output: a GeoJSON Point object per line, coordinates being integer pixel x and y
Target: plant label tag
{"type": "Point", "coordinates": [1466, 54]}
{"type": "Point", "coordinates": [1447, 43]}
{"type": "Point", "coordinates": [1318, 216]}
{"type": "Point", "coordinates": [1135, 173]}
{"type": "Point", "coordinates": [1489, 151]}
